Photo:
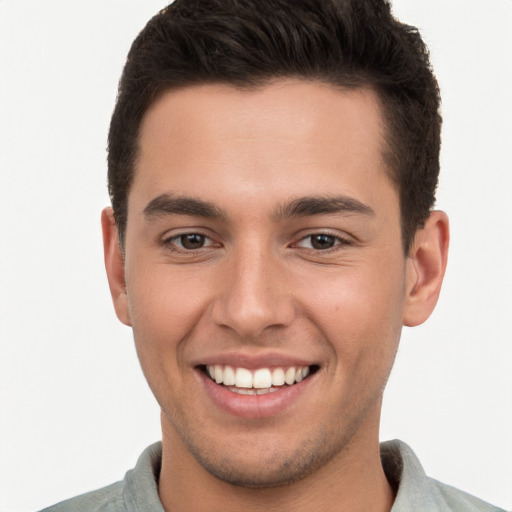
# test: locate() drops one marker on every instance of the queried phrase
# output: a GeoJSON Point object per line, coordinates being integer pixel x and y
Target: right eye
{"type": "Point", "coordinates": [319, 242]}
{"type": "Point", "coordinates": [189, 242]}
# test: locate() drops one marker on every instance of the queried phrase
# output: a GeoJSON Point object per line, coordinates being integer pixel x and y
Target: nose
{"type": "Point", "coordinates": [254, 296]}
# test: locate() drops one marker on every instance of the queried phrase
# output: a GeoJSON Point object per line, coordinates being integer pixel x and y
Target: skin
{"type": "Point", "coordinates": [260, 288]}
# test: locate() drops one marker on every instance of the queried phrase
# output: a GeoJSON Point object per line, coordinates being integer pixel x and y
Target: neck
{"type": "Point", "coordinates": [353, 480]}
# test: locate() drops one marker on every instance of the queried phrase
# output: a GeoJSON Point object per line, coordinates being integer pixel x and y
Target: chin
{"type": "Point", "coordinates": [259, 465]}
{"type": "Point", "coordinates": [261, 475]}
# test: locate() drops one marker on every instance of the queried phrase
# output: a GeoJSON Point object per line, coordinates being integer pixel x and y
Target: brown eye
{"type": "Point", "coordinates": [192, 241]}
{"type": "Point", "coordinates": [322, 242]}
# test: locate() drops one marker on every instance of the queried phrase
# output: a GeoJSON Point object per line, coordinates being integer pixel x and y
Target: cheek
{"type": "Point", "coordinates": [359, 312]}
{"type": "Point", "coordinates": [164, 298]}
{"type": "Point", "coordinates": [164, 312]}
{"type": "Point", "coordinates": [165, 307]}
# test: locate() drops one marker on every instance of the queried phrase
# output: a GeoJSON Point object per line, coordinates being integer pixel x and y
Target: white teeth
{"type": "Point", "coordinates": [263, 379]}
{"type": "Point", "coordinates": [265, 391]}
{"type": "Point", "coordinates": [301, 373]}
{"type": "Point", "coordinates": [289, 377]}
{"type": "Point", "coordinates": [252, 391]}
{"type": "Point", "coordinates": [244, 391]}
{"type": "Point", "coordinates": [243, 378]}
{"type": "Point", "coordinates": [219, 374]}
{"type": "Point", "coordinates": [278, 377]}
{"type": "Point", "coordinates": [229, 376]}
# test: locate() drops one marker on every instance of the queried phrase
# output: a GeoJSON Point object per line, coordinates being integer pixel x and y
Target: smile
{"type": "Point", "coordinates": [262, 390]}
{"type": "Point", "coordinates": [256, 382]}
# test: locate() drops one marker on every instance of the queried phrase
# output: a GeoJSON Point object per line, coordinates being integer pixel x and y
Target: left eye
{"type": "Point", "coordinates": [191, 241]}
{"type": "Point", "coordinates": [320, 242]}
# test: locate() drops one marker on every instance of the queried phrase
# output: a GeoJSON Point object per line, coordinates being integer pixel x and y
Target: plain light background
{"type": "Point", "coordinates": [75, 409]}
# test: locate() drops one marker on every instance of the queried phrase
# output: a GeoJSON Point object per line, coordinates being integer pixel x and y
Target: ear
{"type": "Point", "coordinates": [114, 264]}
{"type": "Point", "coordinates": [426, 266]}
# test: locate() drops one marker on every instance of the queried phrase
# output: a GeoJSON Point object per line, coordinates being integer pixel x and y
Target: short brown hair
{"type": "Point", "coordinates": [248, 43]}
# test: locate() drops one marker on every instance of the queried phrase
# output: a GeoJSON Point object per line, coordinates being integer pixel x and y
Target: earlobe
{"type": "Point", "coordinates": [426, 268]}
{"type": "Point", "coordinates": [114, 264]}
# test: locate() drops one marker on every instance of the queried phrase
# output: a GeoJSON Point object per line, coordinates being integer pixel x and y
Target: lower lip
{"type": "Point", "coordinates": [253, 406]}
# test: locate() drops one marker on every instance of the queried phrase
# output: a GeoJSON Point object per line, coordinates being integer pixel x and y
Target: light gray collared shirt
{"type": "Point", "coordinates": [416, 492]}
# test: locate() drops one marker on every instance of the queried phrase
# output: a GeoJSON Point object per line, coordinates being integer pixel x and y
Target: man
{"type": "Point", "coordinates": [272, 169]}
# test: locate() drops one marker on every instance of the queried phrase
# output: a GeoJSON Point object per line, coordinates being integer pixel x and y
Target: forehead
{"type": "Point", "coordinates": [281, 138]}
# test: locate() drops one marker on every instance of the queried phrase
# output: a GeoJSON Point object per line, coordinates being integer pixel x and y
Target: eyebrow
{"type": "Point", "coordinates": [170, 204]}
{"type": "Point", "coordinates": [322, 205]}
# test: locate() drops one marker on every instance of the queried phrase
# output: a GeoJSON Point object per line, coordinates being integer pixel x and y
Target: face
{"type": "Point", "coordinates": [264, 273]}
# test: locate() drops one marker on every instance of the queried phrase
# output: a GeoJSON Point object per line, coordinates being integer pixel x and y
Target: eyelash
{"type": "Point", "coordinates": [337, 240]}
{"type": "Point", "coordinates": [175, 242]}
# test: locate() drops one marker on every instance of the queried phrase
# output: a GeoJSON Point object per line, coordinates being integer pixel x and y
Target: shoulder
{"type": "Point", "coordinates": [457, 500]}
{"type": "Point", "coordinates": [416, 491]}
{"type": "Point", "coordinates": [137, 492]}
{"type": "Point", "coordinates": [107, 499]}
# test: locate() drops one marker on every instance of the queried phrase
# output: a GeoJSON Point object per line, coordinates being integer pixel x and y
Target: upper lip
{"type": "Point", "coordinates": [253, 361]}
